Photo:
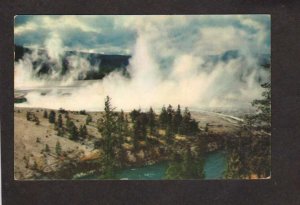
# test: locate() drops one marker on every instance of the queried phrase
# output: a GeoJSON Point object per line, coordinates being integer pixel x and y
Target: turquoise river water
{"type": "Point", "coordinates": [214, 168]}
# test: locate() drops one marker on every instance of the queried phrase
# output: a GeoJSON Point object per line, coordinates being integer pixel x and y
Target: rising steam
{"type": "Point", "coordinates": [189, 79]}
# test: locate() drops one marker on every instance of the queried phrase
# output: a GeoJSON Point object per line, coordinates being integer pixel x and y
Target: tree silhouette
{"type": "Point", "coordinates": [59, 121]}
{"type": "Point", "coordinates": [177, 120]}
{"type": "Point", "coordinates": [88, 119]}
{"type": "Point", "coordinates": [58, 148]}
{"type": "Point", "coordinates": [151, 121]}
{"type": "Point", "coordinates": [251, 152]}
{"type": "Point", "coordinates": [74, 135]}
{"type": "Point", "coordinates": [52, 117]}
{"type": "Point", "coordinates": [163, 117]}
{"type": "Point", "coordinates": [108, 128]}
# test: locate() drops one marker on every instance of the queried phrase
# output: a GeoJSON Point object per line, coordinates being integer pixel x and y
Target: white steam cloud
{"type": "Point", "coordinates": [188, 79]}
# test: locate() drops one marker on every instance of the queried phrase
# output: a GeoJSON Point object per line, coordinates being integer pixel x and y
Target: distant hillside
{"type": "Point", "coordinates": [105, 63]}
{"type": "Point", "coordinates": [109, 63]}
{"type": "Point", "coordinates": [263, 59]}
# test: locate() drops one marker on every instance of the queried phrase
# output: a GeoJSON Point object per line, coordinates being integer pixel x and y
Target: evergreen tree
{"type": "Point", "coordinates": [177, 119]}
{"type": "Point", "coordinates": [151, 121]}
{"type": "Point", "coordinates": [199, 158]}
{"type": "Point", "coordinates": [262, 118]}
{"type": "Point", "coordinates": [82, 132]}
{"type": "Point", "coordinates": [88, 119]}
{"type": "Point", "coordinates": [58, 148]}
{"type": "Point", "coordinates": [139, 129]}
{"type": "Point", "coordinates": [188, 125]}
{"type": "Point", "coordinates": [233, 166]}
{"type": "Point", "coordinates": [185, 165]}
{"type": "Point", "coordinates": [174, 170]}
{"type": "Point", "coordinates": [59, 121]}
{"type": "Point", "coordinates": [134, 114]}
{"type": "Point", "coordinates": [108, 127]}
{"type": "Point", "coordinates": [169, 135]}
{"type": "Point", "coordinates": [185, 124]}
{"type": "Point", "coordinates": [122, 128]}
{"type": "Point", "coordinates": [163, 117]}
{"type": "Point", "coordinates": [251, 153]}
{"type": "Point", "coordinates": [189, 168]}
{"type": "Point", "coordinates": [69, 124]}
{"type": "Point", "coordinates": [170, 113]}
{"type": "Point", "coordinates": [85, 132]}
{"type": "Point", "coordinates": [193, 126]}
{"type": "Point", "coordinates": [52, 117]}
{"type": "Point", "coordinates": [74, 135]}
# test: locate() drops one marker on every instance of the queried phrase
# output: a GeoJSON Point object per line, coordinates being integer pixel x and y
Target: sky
{"type": "Point", "coordinates": [169, 57]}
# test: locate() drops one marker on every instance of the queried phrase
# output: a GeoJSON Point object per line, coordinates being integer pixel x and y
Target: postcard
{"type": "Point", "coordinates": [134, 97]}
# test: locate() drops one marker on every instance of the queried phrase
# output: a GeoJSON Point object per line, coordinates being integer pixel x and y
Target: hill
{"type": "Point", "coordinates": [104, 64]}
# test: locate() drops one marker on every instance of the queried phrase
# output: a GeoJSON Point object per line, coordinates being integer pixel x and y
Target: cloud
{"type": "Point", "coordinates": [175, 59]}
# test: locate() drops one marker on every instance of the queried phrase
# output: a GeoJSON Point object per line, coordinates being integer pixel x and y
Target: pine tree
{"type": "Point", "coordinates": [59, 121]}
{"type": "Point", "coordinates": [188, 126]}
{"type": "Point", "coordinates": [85, 132]}
{"type": "Point", "coordinates": [185, 165]}
{"type": "Point", "coordinates": [163, 117]}
{"type": "Point", "coordinates": [88, 119]}
{"type": "Point", "coordinates": [234, 166]}
{"type": "Point", "coordinates": [52, 117]}
{"type": "Point", "coordinates": [189, 168]}
{"type": "Point", "coordinates": [82, 131]}
{"type": "Point", "coordinates": [69, 124]}
{"type": "Point", "coordinates": [193, 126]}
{"type": "Point", "coordinates": [262, 118]}
{"type": "Point", "coordinates": [108, 130]}
{"type": "Point", "coordinates": [177, 120]}
{"type": "Point", "coordinates": [58, 148]}
{"type": "Point", "coordinates": [151, 121]}
{"type": "Point", "coordinates": [74, 135]}
{"type": "Point", "coordinates": [81, 134]}
{"type": "Point", "coordinates": [185, 124]}
{"type": "Point", "coordinates": [122, 128]}
{"type": "Point", "coordinates": [134, 114]}
{"type": "Point", "coordinates": [139, 129]}
{"type": "Point", "coordinates": [174, 170]}
{"type": "Point", "coordinates": [170, 115]}
{"type": "Point", "coordinates": [260, 146]}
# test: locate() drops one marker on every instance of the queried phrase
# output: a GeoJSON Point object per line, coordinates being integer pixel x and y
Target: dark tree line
{"type": "Point", "coordinates": [73, 131]}
{"type": "Point", "coordinates": [250, 151]}
{"type": "Point", "coordinates": [141, 128]}
{"type": "Point", "coordinates": [176, 122]}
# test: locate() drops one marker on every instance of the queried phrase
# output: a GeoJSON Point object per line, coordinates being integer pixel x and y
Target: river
{"type": "Point", "coordinates": [214, 168]}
